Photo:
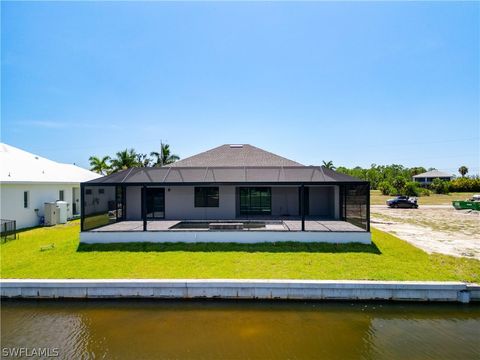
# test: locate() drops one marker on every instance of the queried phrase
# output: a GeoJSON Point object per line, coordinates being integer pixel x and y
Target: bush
{"type": "Point", "coordinates": [399, 182]}
{"type": "Point", "coordinates": [424, 191]}
{"type": "Point", "coordinates": [411, 189]}
{"type": "Point", "coordinates": [440, 186]}
{"type": "Point", "coordinates": [465, 185]}
{"type": "Point", "coordinates": [385, 187]}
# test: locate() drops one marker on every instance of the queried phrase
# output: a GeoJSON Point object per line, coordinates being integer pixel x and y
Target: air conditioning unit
{"type": "Point", "coordinates": [51, 213]}
{"type": "Point", "coordinates": [62, 212]}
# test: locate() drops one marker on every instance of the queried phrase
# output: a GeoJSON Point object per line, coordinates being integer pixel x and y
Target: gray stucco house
{"type": "Point", "coordinates": [428, 177]}
{"type": "Point", "coordinates": [232, 193]}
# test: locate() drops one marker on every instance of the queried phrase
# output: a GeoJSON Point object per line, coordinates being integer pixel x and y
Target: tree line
{"type": "Point", "coordinates": [398, 180]}
{"type": "Point", "coordinates": [129, 158]}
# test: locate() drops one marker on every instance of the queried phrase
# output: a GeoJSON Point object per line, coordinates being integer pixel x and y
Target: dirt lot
{"type": "Point", "coordinates": [433, 228]}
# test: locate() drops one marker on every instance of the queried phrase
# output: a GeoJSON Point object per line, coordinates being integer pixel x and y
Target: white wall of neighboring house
{"type": "Point", "coordinates": [12, 201]}
{"type": "Point", "coordinates": [43, 179]}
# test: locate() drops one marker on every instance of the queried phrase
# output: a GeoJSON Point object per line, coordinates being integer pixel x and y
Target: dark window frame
{"type": "Point", "coordinates": [206, 197]}
{"type": "Point", "coordinates": [101, 191]}
{"type": "Point", "coordinates": [88, 191]}
{"type": "Point", "coordinates": [26, 199]}
{"type": "Point", "coordinates": [251, 209]}
{"type": "Point", "coordinates": [61, 195]}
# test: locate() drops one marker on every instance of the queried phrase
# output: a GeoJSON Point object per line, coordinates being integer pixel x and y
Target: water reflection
{"type": "Point", "coordinates": [239, 330]}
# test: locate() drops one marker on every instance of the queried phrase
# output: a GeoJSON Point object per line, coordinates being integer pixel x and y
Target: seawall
{"type": "Point", "coordinates": [240, 289]}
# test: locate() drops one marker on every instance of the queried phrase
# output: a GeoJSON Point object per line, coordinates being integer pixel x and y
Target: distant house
{"type": "Point", "coordinates": [428, 177]}
{"type": "Point", "coordinates": [232, 193]}
{"type": "Point", "coordinates": [27, 181]}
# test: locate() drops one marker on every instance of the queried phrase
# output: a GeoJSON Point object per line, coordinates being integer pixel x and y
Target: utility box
{"type": "Point", "coordinates": [51, 214]}
{"type": "Point", "coordinates": [62, 212]}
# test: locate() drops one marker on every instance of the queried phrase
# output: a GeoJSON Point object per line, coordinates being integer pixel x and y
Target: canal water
{"type": "Point", "coordinates": [242, 329]}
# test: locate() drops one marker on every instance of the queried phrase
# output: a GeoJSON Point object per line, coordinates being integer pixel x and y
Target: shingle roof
{"type": "Point", "coordinates": [249, 174]}
{"type": "Point", "coordinates": [19, 166]}
{"type": "Point", "coordinates": [433, 174]}
{"type": "Point", "coordinates": [235, 155]}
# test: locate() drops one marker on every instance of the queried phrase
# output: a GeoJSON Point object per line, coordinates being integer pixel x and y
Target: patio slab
{"type": "Point", "coordinates": [285, 225]}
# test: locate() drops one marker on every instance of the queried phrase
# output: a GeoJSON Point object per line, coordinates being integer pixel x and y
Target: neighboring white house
{"type": "Point", "coordinates": [28, 181]}
{"type": "Point", "coordinates": [428, 177]}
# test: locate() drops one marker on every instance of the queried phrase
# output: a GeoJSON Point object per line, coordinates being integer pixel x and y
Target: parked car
{"type": "Point", "coordinates": [403, 202]}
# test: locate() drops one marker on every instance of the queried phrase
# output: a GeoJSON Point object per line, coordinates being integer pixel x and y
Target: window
{"type": "Point", "coordinates": [206, 197]}
{"type": "Point", "coordinates": [88, 191]}
{"type": "Point", "coordinates": [61, 195]}
{"type": "Point", "coordinates": [101, 191]}
{"type": "Point", "coordinates": [26, 199]}
{"type": "Point", "coordinates": [255, 201]}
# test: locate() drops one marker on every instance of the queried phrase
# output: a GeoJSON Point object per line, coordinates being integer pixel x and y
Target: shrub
{"type": "Point", "coordinates": [465, 185]}
{"type": "Point", "coordinates": [399, 182]}
{"type": "Point", "coordinates": [424, 191]}
{"type": "Point", "coordinates": [384, 187]}
{"type": "Point", "coordinates": [440, 186]}
{"type": "Point", "coordinates": [411, 189]}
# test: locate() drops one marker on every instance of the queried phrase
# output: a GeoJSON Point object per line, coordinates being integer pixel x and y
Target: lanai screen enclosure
{"type": "Point", "coordinates": [249, 204]}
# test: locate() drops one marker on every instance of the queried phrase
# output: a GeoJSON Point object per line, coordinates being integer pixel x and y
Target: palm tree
{"type": "Point", "coordinates": [143, 160]}
{"type": "Point", "coordinates": [463, 170]}
{"type": "Point", "coordinates": [164, 157]}
{"type": "Point", "coordinates": [328, 164]}
{"type": "Point", "coordinates": [125, 159]}
{"type": "Point", "coordinates": [99, 165]}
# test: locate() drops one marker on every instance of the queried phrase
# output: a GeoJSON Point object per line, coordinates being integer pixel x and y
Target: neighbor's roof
{"type": "Point", "coordinates": [19, 166]}
{"type": "Point", "coordinates": [234, 155]}
{"type": "Point", "coordinates": [433, 174]}
{"type": "Point", "coordinates": [248, 174]}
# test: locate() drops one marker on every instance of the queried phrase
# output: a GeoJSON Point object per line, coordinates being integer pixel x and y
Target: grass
{"type": "Point", "coordinates": [376, 198]}
{"type": "Point", "coordinates": [389, 258]}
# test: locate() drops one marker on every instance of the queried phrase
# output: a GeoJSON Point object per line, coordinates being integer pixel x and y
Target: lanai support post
{"type": "Point", "coordinates": [302, 205]}
{"type": "Point", "coordinates": [368, 207]}
{"type": "Point", "coordinates": [82, 205]}
{"type": "Point", "coordinates": [144, 207]}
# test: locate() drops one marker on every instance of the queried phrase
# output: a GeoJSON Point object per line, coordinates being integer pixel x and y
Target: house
{"type": "Point", "coordinates": [27, 181]}
{"type": "Point", "coordinates": [428, 177]}
{"type": "Point", "coordinates": [232, 193]}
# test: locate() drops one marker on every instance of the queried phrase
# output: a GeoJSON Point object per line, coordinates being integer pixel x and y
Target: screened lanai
{"type": "Point", "coordinates": [242, 199]}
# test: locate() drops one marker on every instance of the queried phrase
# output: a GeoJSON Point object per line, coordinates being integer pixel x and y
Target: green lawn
{"type": "Point", "coordinates": [376, 198]}
{"type": "Point", "coordinates": [388, 259]}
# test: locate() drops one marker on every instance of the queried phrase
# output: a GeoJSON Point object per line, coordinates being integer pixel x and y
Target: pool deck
{"type": "Point", "coordinates": [280, 225]}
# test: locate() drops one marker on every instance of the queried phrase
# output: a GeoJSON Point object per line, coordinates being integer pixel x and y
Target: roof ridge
{"type": "Point", "coordinates": [231, 156]}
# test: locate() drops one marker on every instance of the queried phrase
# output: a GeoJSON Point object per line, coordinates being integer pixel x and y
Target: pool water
{"type": "Point", "coordinates": [200, 225]}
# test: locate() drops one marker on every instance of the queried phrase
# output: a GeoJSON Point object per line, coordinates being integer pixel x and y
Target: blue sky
{"type": "Point", "coordinates": [356, 83]}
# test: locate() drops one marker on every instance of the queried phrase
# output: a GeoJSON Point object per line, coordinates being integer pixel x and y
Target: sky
{"type": "Point", "coordinates": [355, 83]}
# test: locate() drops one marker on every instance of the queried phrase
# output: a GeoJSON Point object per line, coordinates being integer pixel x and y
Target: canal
{"type": "Point", "coordinates": [242, 329]}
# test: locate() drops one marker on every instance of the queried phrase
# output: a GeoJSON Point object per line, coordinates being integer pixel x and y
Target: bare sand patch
{"type": "Point", "coordinates": [440, 229]}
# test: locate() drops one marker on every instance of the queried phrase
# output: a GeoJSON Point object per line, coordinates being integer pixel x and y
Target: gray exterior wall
{"type": "Point", "coordinates": [134, 202]}
{"type": "Point", "coordinates": [180, 203]}
{"type": "Point", "coordinates": [285, 201]}
{"type": "Point", "coordinates": [322, 201]}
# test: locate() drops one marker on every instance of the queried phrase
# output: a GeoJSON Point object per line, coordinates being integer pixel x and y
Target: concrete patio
{"type": "Point", "coordinates": [279, 225]}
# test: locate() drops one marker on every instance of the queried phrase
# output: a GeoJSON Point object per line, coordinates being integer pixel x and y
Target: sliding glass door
{"type": "Point", "coordinates": [155, 203]}
{"type": "Point", "coordinates": [255, 201]}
